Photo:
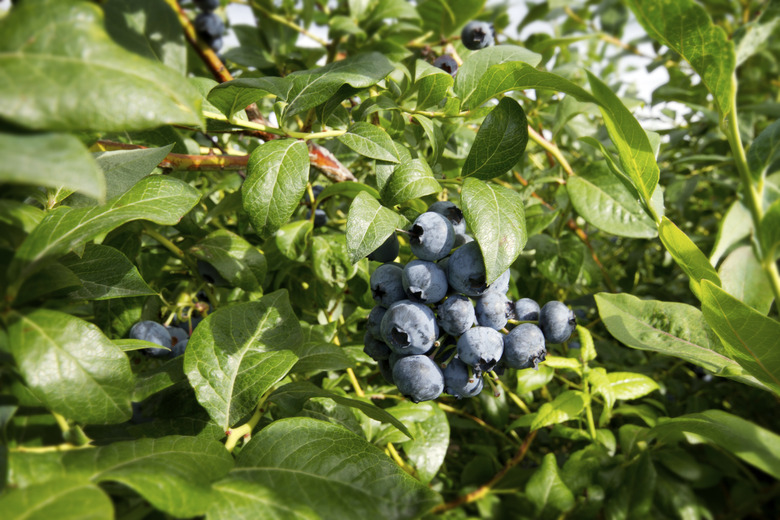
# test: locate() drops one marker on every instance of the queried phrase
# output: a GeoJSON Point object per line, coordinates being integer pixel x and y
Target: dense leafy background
{"type": "Point", "coordinates": [130, 154]}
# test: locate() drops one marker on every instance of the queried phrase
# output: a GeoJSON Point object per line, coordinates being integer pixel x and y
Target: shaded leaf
{"type": "Point", "coordinates": [235, 95]}
{"type": "Point", "coordinates": [689, 257]}
{"type": "Point", "coordinates": [500, 142]}
{"type": "Point", "coordinates": [744, 278]}
{"type": "Point", "coordinates": [238, 261]}
{"type": "Point", "coordinates": [105, 273]}
{"type": "Point", "coordinates": [546, 489]}
{"type": "Point", "coordinates": [64, 498]}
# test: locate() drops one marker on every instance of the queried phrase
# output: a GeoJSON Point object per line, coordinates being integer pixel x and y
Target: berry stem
{"type": "Point", "coordinates": [245, 430]}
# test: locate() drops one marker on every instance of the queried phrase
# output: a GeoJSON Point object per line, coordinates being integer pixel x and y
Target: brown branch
{"type": "Point", "coordinates": [179, 161]}
{"type": "Point", "coordinates": [485, 489]}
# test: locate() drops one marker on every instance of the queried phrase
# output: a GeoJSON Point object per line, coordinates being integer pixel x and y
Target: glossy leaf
{"type": "Point", "coordinates": [685, 27]}
{"type": "Point", "coordinates": [763, 156]}
{"type": "Point", "coordinates": [444, 17]}
{"type": "Point", "coordinates": [496, 217]}
{"type": "Point", "coordinates": [64, 498]}
{"type": "Point", "coordinates": [749, 337]}
{"type": "Point", "coordinates": [689, 257]}
{"type": "Point", "coordinates": [317, 352]}
{"type": "Point", "coordinates": [124, 168]}
{"type": "Point", "coordinates": [601, 199]}
{"type": "Point", "coordinates": [744, 278]}
{"type": "Point", "coordinates": [239, 498]}
{"type": "Point", "coordinates": [150, 382]}
{"type": "Point", "coordinates": [630, 385]}
{"type": "Point", "coordinates": [674, 329]}
{"type": "Point", "coordinates": [115, 90]}
{"type": "Point", "coordinates": [751, 443]}
{"type": "Point", "coordinates": [344, 476]}
{"type": "Point", "coordinates": [27, 159]}
{"type": "Point", "coordinates": [237, 353]}
{"type": "Point", "coordinates": [500, 142]}
{"type": "Point", "coordinates": [370, 141]}
{"type": "Point", "coordinates": [160, 199]}
{"type": "Point", "coordinates": [428, 423]}
{"type": "Point", "coordinates": [475, 81]}
{"type": "Point", "coordinates": [433, 134]}
{"type": "Point", "coordinates": [546, 489]}
{"type": "Point", "coordinates": [240, 263]}
{"type": "Point", "coordinates": [432, 84]}
{"type": "Point", "coordinates": [276, 179]}
{"type": "Point", "coordinates": [235, 95]}
{"type": "Point", "coordinates": [71, 366]}
{"type": "Point", "coordinates": [410, 180]}
{"type": "Point", "coordinates": [105, 273]}
{"type": "Point", "coordinates": [770, 230]}
{"type": "Point", "coordinates": [566, 406]}
{"type": "Point", "coordinates": [368, 225]}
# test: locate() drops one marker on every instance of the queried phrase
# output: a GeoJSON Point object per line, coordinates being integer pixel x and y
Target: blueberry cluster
{"type": "Point", "coordinates": [439, 311]}
{"type": "Point", "coordinates": [208, 24]}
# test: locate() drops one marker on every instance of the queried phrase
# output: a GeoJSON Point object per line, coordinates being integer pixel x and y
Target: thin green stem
{"type": "Point", "coordinates": [245, 430]}
{"type": "Point", "coordinates": [289, 23]}
{"type": "Point", "coordinates": [170, 246]}
{"type": "Point", "coordinates": [551, 148]}
{"type": "Point", "coordinates": [589, 411]}
{"type": "Point", "coordinates": [249, 125]}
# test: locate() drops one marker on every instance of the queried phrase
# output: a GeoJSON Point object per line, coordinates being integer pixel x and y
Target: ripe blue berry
{"type": "Point", "coordinates": [431, 236]}
{"type": "Point", "coordinates": [446, 63]}
{"type": "Point", "coordinates": [209, 26]}
{"type": "Point", "coordinates": [387, 286]}
{"type": "Point", "coordinates": [418, 378]}
{"type": "Point", "coordinates": [375, 349]}
{"type": "Point", "coordinates": [524, 346]}
{"type": "Point", "coordinates": [501, 285]}
{"type": "Point", "coordinates": [526, 309]}
{"type": "Point", "coordinates": [452, 213]}
{"type": "Point", "coordinates": [456, 315]}
{"type": "Point", "coordinates": [481, 348]}
{"type": "Point", "coordinates": [375, 321]}
{"type": "Point", "coordinates": [477, 35]}
{"type": "Point", "coordinates": [207, 5]}
{"type": "Point", "coordinates": [387, 252]}
{"type": "Point", "coordinates": [557, 322]}
{"type": "Point", "coordinates": [154, 332]}
{"type": "Point", "coordinates": [493, 310]}
{"type": "Point", "coordinates": [458, 382]}
{"type": "Point", "coordinates": [424, 282]}
{"type": "Point", "coordinates": [466, 270]}
{"type": "Point", "coordinates": [179, 348]}
{"type": "Point", "coordinates": [409, 328]}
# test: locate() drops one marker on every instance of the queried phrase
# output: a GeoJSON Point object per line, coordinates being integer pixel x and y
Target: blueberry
{"type": "Point", "coordinates": [456, 315]}
{"type": "Point", "coordinates": [387, 252]}
{"type": "Point", "coordinates": [493, 310]}
{"type": "Point", "coordinates": [526, 309]}
{"type": "Point", "coordinates": [524, 346]}
{"type": "Point", "coordinates": [466, 270]}
{"type": "Point", "coordinates": [320, 217]}
{"type": "Point", "coordinates": [209, 26]}
{"type": "Point", "coordinates": [477, 35]}
{"type": "Point", "coordinates": [458, 382]}
{"type": "Point", "coordinates": [386, 370]}
{"type": "Point", "coordinates": [375, 321]}
{"type": "Point", "coordinates": [210, 274]}
{"type": "Point", "coordinates": [452, 213]}
{"type": "Point", "coordinates": [501, 285]}
{"type": "Point", "coordinates": [154, 332]}
{"type": "Point", "coordinates": [177, 334]}
{"type": "Point", "coordinates": [446, 63]}
{"type": "Point", "coordinates": [418, 378]}
{"type": "Point", "coordinates": [409, 328]}
{"type": "Point", "coordinates": [387, 286]}
{"type": "Point", "coordinates": [375, 349]}
{"type": "Point", "coordinates": [463, 239]}
{"type": "Point", "coordinates": [557, 322]}
{"type": "Point", "coordinates": [481, 348]}
{"type": "Point", "coordinates": [179, 348]}
{"type": "Point", "coordinates": [424, 282]}
{"type": "Point", "coordinates": [431, 236]}
{"type": "Point", "coordinates": [216, 44]}
{"type": "Point", "coordinates": [207, 5]}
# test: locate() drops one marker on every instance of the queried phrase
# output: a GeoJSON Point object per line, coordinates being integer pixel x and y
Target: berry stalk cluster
{"type": "Point", "coordinates": [438, 326]}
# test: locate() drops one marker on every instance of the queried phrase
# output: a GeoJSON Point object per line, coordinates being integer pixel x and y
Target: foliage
{"type": "Point", "coordinates": [125, 165]}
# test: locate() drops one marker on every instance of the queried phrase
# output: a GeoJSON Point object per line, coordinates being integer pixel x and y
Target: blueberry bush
{"type": "Point", "coordinates": [221, 243]}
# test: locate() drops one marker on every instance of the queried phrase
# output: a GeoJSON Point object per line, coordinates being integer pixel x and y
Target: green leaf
{"type": "Point", "coordinates": [344, 476]}
{"type": "Point", "coordinates": [629, 385]}
{"type": "Point", "coordinates": [634, 149]}
{"type": "Point", "coordinates": [686, 28]}
{"type": "Point", "coordinates": [124, 168]}
{"type": "Point", "coordinates": [434, 135]}
{"type": "Point", "coordinates": [443, 18]}
{"type": "Point", "coordinates": [292, 396]}
{"type": "Point", "coordinates": [368, 225]}
{"type": "Point", "coordinates": [64, 498]}
{"type": "Point", "coordinates": [276, 179]}
{"type": "Point", "coordinates": [605, 202]}
{"type": "Point", "coordinates": [239, 498]}
{"type": "Point", "coordinates": [370, 141]}
{"type": "Point", "coordinates": [314, 87]}
{"type": "Point", "coordinates": [71, 366]}
{"type": "Point", "coordinates": [546, 490]}
{"type": "Point", "coordinates": [749, 337]}
{"type": "Point", "coordinates": [108, 87]}
{"type": "Point", "coordinates": [744, 278]}
{"type": "Point", "coordinates": [149, 28]}
{"type": "Point", "coordinates": [239, 352]}
{"type": "Point", "coordinates": [235, 95]}
{"type": "Point", "coordinates": [566, 406]}
{"type": "Point", "coordinates": [674, 329]}
{"type": "Point", "coordinates": [475, 82]}
{"type": "Point", "coordinates": [763, 156]}
{"type": "Point", "coordinates": [162, 200]}
{"type": "Point", "coordinates": [238, 261]}
{"type": "Point", "coordinates": [330, 260]}
{"type": "Point", "coordinates": [769, 230]}
{"type": "Point", "coordinates": [633, 497]}
{"type": "Point", "coordinates": [318, 353]}
{"type": "Point", "coordinates": [496, 217]}
{"type": "Point", "coordinates": [735, 226]}
{"type": "Point", "coordinates": [432, 84]}
{"type": "Point", "coordinates": [411, 179]}
{"type": "Point", "coordinates": [105, 273]}
{"type": "Point", "coordinates": [689, 257]}
{"type": "Point", "coordinates": [559, 260]}
{"type": "Point", "coordinates": [149, 382]}
{"type": "Point", "coordinates": [28, 159]}
{"type": "Point", "coordinates": [500, 142]}
{"type": "Point", "coordinates": [292, 239]}
{"type": "Point", "coordinates": [431, 431]}
{"type": "Point", "coordinates": [755, 445]}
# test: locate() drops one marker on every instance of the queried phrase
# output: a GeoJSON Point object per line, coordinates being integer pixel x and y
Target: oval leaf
{"type": "Point", "coordinates": [687, 255]}
{"type": "Point", "coordinates": [500, 142]}
{"type": "Point", "coordinates": [64, 498]}
{"type": "Point", "coordinates": [238, 261]}
{"type": "Point", "coordinates": [368, 225]}
{"type": "Point", "coordinates": [105, 273]}
{"type": "Point", "coordinates": [566, 405]}
{"type": "Point", "coordinates": [628, 385]}
{"type": "Point", "coordinates": [411, 179]}
{"type": "Point", "coordinates": [370, 141]}
{"type": "Point", "coordinates": [472, 75]}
